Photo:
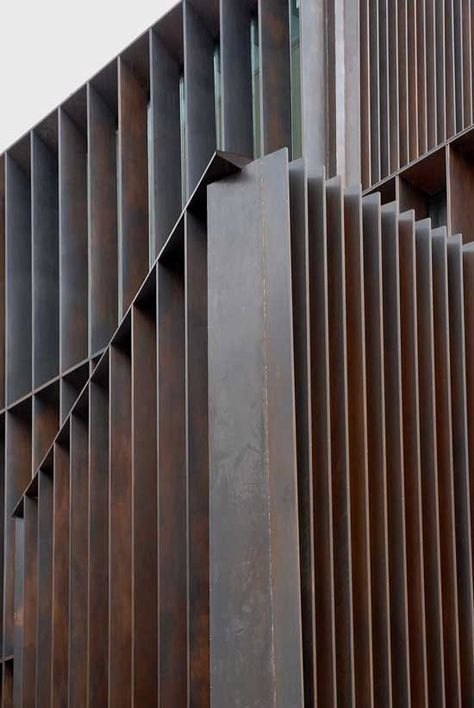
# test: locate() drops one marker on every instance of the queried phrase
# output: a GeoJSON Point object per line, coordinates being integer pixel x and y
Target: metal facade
{"type": "Point", "coordinates": [237, 366]}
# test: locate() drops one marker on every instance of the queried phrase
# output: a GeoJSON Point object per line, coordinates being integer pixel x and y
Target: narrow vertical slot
{"type": "Point", "coordinates": [8, 585]}
{"type": "Point", "coordinates": [19, 609]}
{"type": "Point", "coordinates": [45, 421]}
{"type": "Point", "coordinates": [183, 139]}
{"type": "Point", "coordinates": [235, 81]}
{"type": "Point", "coordinates": [2, 530]}
{"type": "Point", "coordinates": [449, 48]}
{"type": "Point", "coordinates": [295, 60]}
{"type": "Point", "coordinates": [275, 75]}
{"type": "Point", "coordinates": [60, 615]}
{"type": "Point", "coordinates": [394, 9]}
{"type": "Point", "coordinates": [365, 92]}
{"type": "Point", "coordinates": [133, 91]}
{"type": "Point", "coordinates": [18, 280]}
{"type": "Point", "coordinates": [17, 453]}
{"type": "Point", "coordinates": [120, 524]}
{"type": "Point", "coordinates": [412, 81]}
{"type": "Point", "coordinates": [382, 68]}
{"type": "Point", "coordinates": [73, 263]}
{"type": "Point", "coordinates": [218, 94]}
{"type": "Point", "coordinates": [464, 43]}
{"type": "Point", "coordinates": [70, 387]}
{"type": "Point", "coordinates": [403, 108]}
{"type": "Point", "coordinates": [102, 207]}
{"type": "Point", "coordinates": [45, 585]}
{"type": "Point", "coordinates": [79, 556]}
{"type": "Point", "coordinates": [98, 537]}
{"type": "Point", "coordinates": [30, 516]}
{"type": "Point", "coordinates": [441, 82]}
{"type": "Point", "coordinates": [145, 496]}
{"type": "Point", "coordinates": [255, 63]}
{"type": "Point", "coordinates": [420, 39]}
{"type": "Point", "coordinates": [431, 71]}
{"type": "Point", "coordinates": [172, 599]}
{"type": "Point", "coordinates": [199, 91]}
{"type": "Point", "coordinates": [167, 124]}
{"type": "Point", "coordinates": [45, 251]}
{"type": "Point", "coordinates": [375, 88]}
{"type": "Point", "coordinates": [151, 183]}
{"type": "Point", "coordinates": [197, 454]}
{"type": "Point", "coordinates": [2, 281]}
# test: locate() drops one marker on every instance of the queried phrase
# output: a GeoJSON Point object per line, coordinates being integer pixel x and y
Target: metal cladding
{"type": "Point", "coordinates": [236, 387]}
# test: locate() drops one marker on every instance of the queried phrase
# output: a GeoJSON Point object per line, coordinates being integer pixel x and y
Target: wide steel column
{"type": "Point", "coordinates": [255, 615]}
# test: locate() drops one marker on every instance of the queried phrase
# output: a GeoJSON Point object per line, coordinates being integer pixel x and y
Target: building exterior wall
{"type": "Point", "coordinates": [236, 366]}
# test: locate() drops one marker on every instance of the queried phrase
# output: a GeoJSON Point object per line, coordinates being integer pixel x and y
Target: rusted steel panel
{"type": "Point", "coordinates": [429, 466]}
{"type": "Point", "coordinates": [254, 567]}
{"type": "Point", "coordinates": [411, 458]}
{"type": "Point", "coordinates": [321, 441]}
{"type": "Point", "coordinates": [376, 448]}
{"type": "Point", "coordinates": [394, 455]}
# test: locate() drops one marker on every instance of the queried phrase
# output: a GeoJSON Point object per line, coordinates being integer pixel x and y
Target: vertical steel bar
{"type": "Point", "coordinates": [45, 586]}
{"type": "Point", "coordinates": [144, 500]}
{"type": "Point", "coordinates": [349, 684]}
{"type": "Point", "coordinates": [428, 456]}
{"type": "Point", "coordinates": [252, 442]}
{"type": "Point", "coordinates": [357, 440]}
{"type": "Point", "coordinates": [411, 458]}
{"type": "Point", "coordinates": [462, 492]}
{"type": "Point", "coordinates": [376, 448]}
{"type": "Point", "coordinates": [445, 466]}
{"type": "Point", "coordinates": [60, 618]}
{"type": "Point", "coordinates": [78, 561]}
{"type": "Point", "coordinates": [304, 448]}
{"type": "Point", "coordinates": [120, 527]}
{"type": "Point", "coordinates": [324, 600]}
{"type": "Point", "coordinates": [172, 569]}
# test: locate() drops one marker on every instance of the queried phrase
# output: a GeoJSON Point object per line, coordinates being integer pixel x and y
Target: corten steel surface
{"type": "Point", "coordinates": [237, 395]}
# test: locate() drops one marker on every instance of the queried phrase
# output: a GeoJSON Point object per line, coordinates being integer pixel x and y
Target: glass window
{"type": "Point", "coordinates": [217, 94]}
{"type": "Point", "coordinates": [182, 126]}
{"type": "Point", "coordinates": [295, 79]}
{"type": "Point", "coordinates": [151, 240]}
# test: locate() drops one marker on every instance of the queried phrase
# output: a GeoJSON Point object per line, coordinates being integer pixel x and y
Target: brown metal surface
{"type": "Point", "coordinates": [237, 419]}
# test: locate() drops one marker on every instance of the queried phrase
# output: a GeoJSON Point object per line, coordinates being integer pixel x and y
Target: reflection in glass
{"type": "Point", "coordinates": [217, 95]}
